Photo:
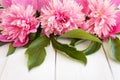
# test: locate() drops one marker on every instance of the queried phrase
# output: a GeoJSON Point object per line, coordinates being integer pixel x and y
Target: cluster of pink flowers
{"type": "Point", "coordinates": [18, 20]}
{"type": "Point", "coordinates": [98, 17]}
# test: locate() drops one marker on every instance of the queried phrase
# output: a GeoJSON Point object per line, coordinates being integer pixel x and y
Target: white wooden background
{"type": "Point", "coordinates": [59, 67]}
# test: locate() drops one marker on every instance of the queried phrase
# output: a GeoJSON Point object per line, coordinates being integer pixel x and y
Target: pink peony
{"type": "Point", "coordinates": [17, 22]}
{"type": "Point", "coordinates": [102, 18]}
{"type": "Point", "coordinates": [61, 16]}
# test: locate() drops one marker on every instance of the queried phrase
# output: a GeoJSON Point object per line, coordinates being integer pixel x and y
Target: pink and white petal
{"type": "Point", "coordinates": [117, 2]}
{"type": "Point", "coordinates": [1, 11]}
{"type": "Point", "coordinates": [20, 44]}
{"type": "Point", "coordinates": [34, 3]}
{"type": "Point", "coordinates": [4, 39]}
{"type": "Point", "coordinates": [25, 3]}
{"type": "Point", "coordinates": [21, 2]}
{"type": "Point", "coordinates": [6, 3]}
{"type": "Point", "coordinates": [84, 3]}
{"type": "Point", "coordinates": [42, 3]}
{"type": "Point", "coordinates": [117, 27]}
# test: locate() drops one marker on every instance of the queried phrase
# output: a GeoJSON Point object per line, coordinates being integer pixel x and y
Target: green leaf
{"type": "Point", "coordinates": [114, 49]}
{"type": "Point", "coordinates": [36, 51]}
{"type": "Point", "coordinates": [92, 48]}
{"type": "Point", "coordinates": [36, 58]}
{"type": "Point", "coordinates": [1, 7]}
{"type": "Point", "coordinates": [32, 36]}
{"type": "Point", "coordinates": [2, 43]}
{"type": "Point", "coordinates": [76, 41]}
{"type": "Point", "coordinates": [69, 50]}
{"type": "Point", "coordinates": [80, 34]}
{"type": "Point", "coordinates": [11, 49]}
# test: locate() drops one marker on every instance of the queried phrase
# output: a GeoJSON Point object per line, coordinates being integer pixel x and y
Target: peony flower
{"type": "Point", "coordinates": [61, 16]}
{"type": "Point", "coordinates": [17, 22]}
{"type": "Point", "coordinates": [102, 18]}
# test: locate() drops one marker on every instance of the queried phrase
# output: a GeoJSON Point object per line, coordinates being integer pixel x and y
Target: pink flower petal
{"type": "Point", "coordinates": [118, 22]}
{"type": "Point", "coordinates": [6, 3]}
{"type": "Point", "coordinates": [19, 44]}
{"type": "Point", "coordinates": [117, 2]}
{"type": "Point", "coordinates": [4, 39]}
{"type": "Point", "coordinates": [1, 11]}
{"type": "Point", "coordinates": [84, 3]}
{"type": "Point", "coordinates": [116, 29]}
{"type": "Point", "coordinates": [25, 3]}
{"type": "Point", "coordinates": [42, 3]}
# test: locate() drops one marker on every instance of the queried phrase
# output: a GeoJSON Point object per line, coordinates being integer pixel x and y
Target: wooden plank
{"type": "Point", "coordinates": [115, 67]}
{"type": "Point", "coordinates": [16, 67]}
{"type": "Point", "coordinates": [96, 69]}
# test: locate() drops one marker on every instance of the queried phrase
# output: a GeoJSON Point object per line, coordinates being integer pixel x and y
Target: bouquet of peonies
{"type": "Point", "coordinates": [34, 24]}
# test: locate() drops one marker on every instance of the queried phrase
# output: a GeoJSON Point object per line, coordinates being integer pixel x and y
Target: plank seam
{"type": "Point", "coordinates": [4, 66]}
{"type": "Point", "coordinates": [108, 62]}
{"type": "Point", "coordinates": [55, 64]}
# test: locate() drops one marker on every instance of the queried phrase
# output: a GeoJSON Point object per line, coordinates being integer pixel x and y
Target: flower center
{"type": "Point", "coordinates": [61, 17]}
{"type": "Point", "coordinates": [98, 13]}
